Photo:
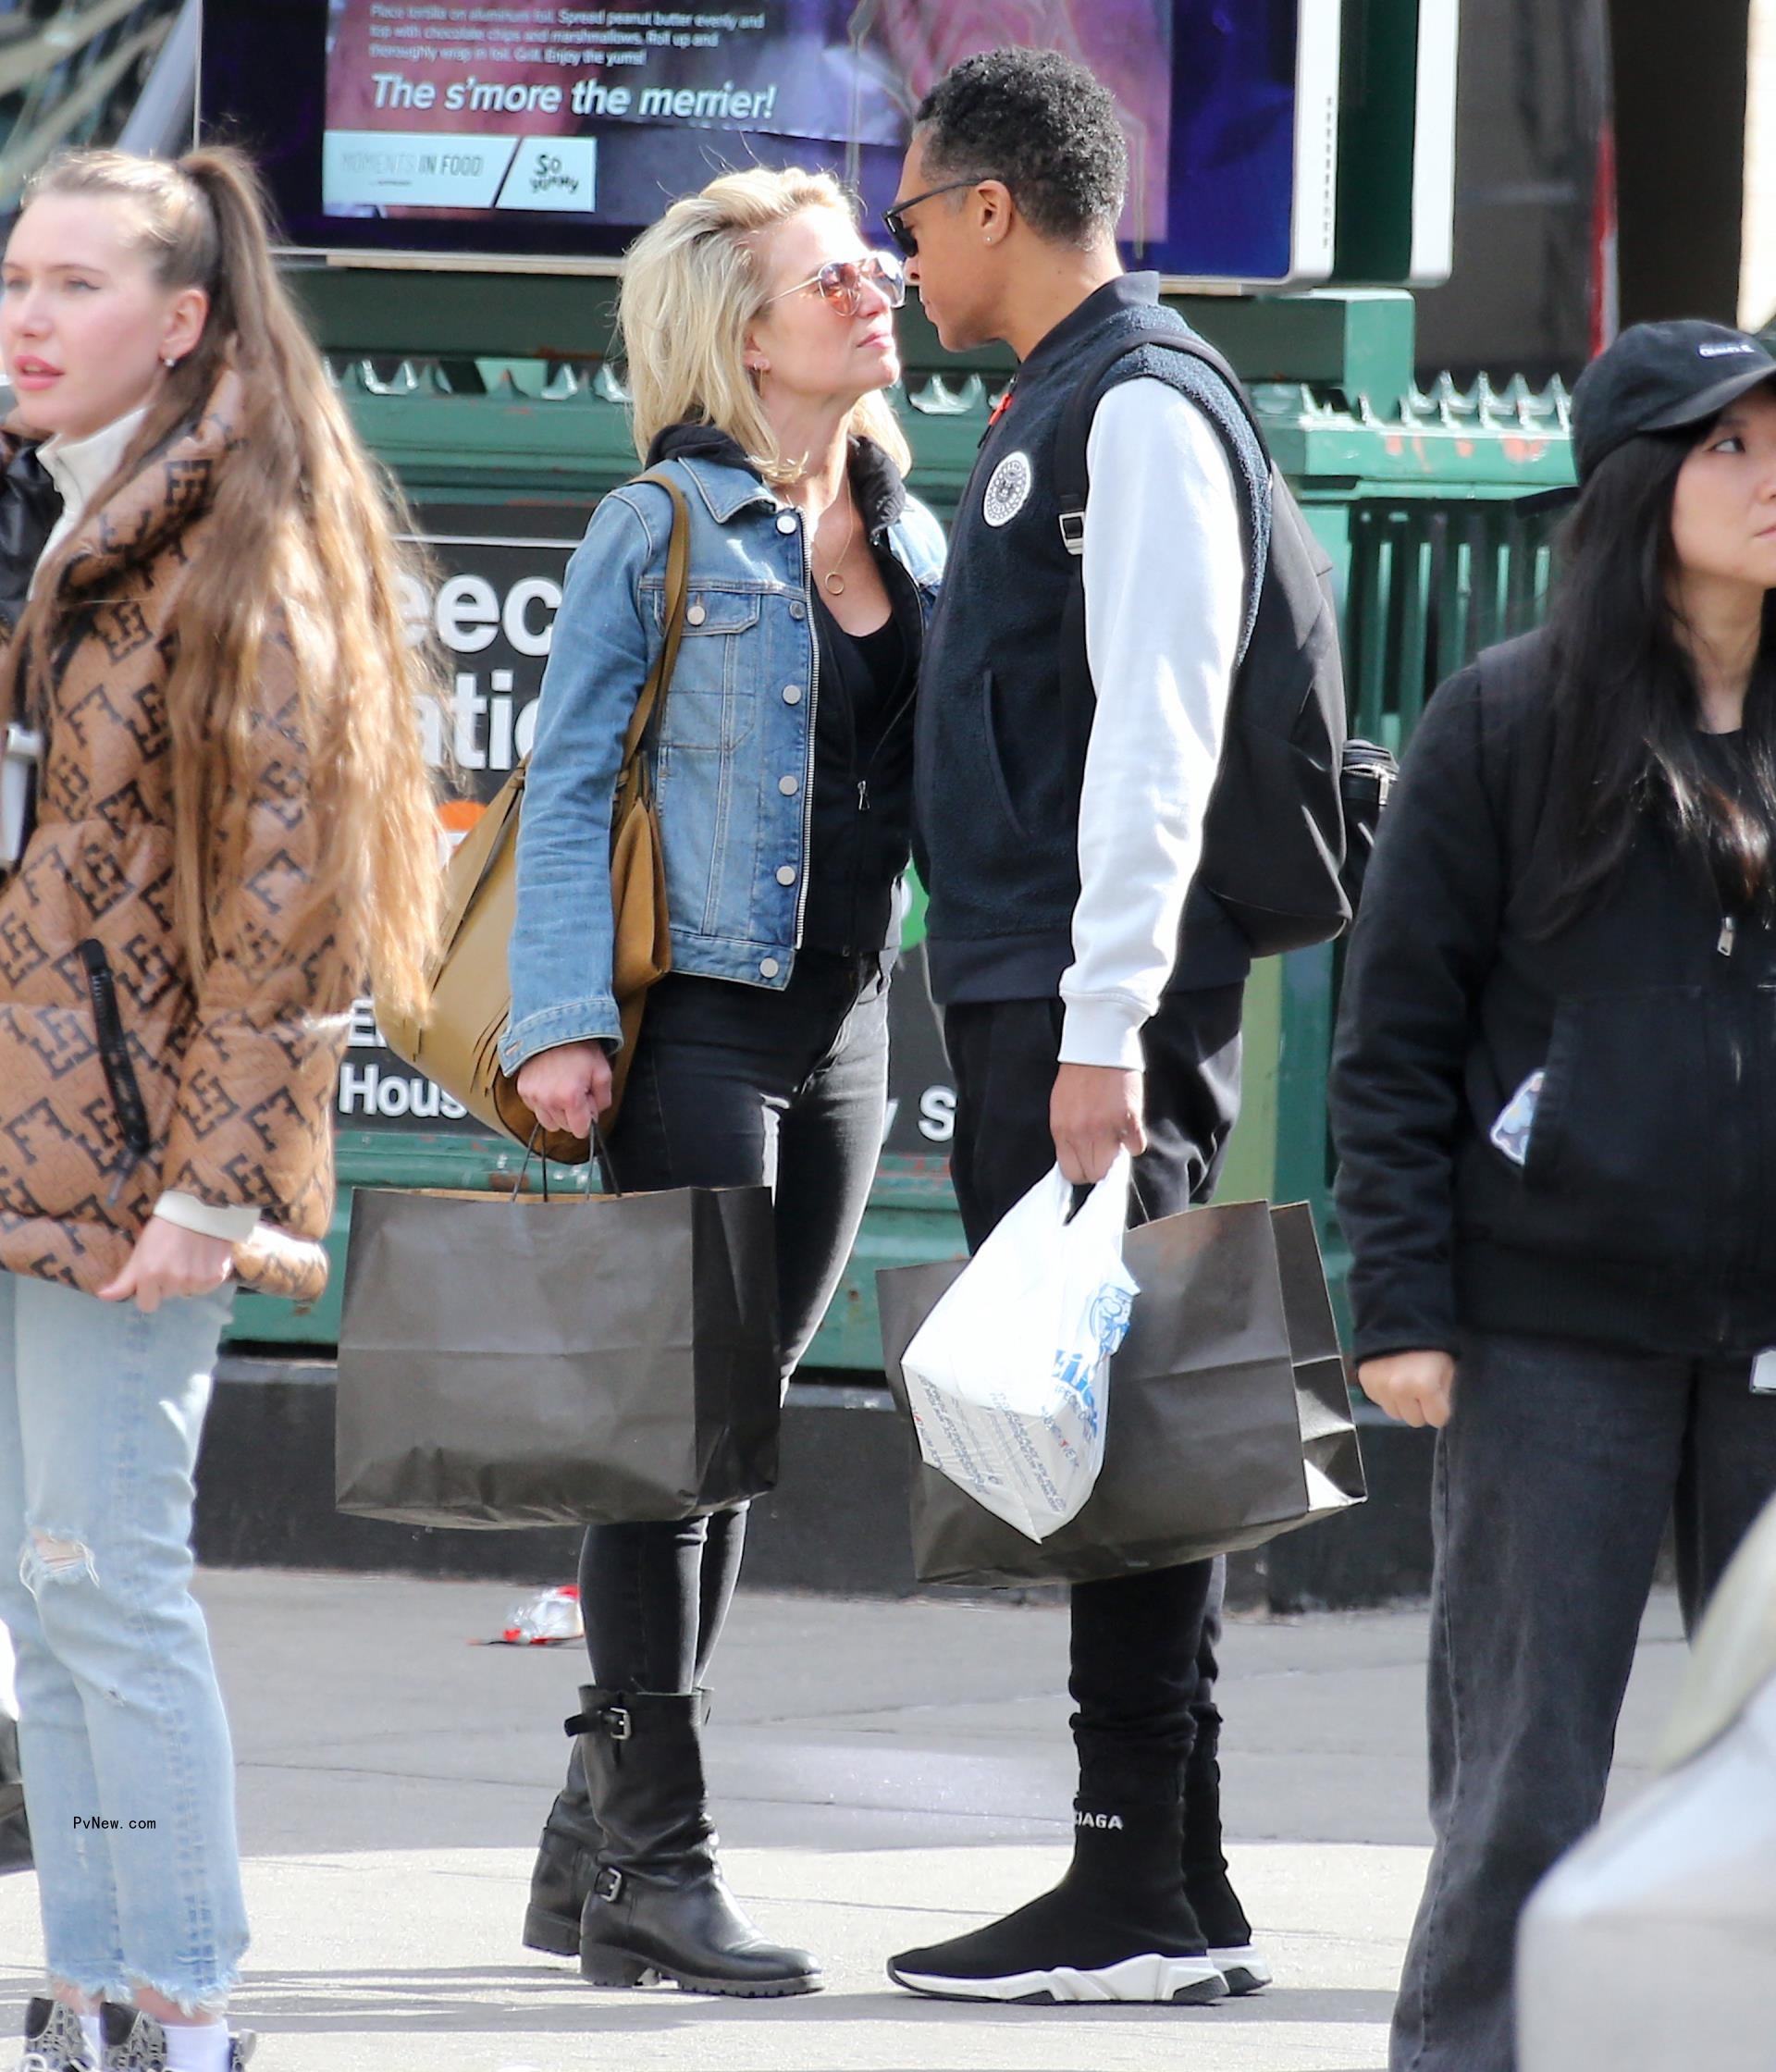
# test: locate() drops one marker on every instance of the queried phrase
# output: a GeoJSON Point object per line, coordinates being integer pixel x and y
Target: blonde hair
{"type": "Point", "coordinates": [692, 283]}
{"type": "Point", "coordinates": [303, 548]}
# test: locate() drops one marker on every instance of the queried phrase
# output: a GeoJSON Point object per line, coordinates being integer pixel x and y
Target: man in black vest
{"type": "Point", "coordinates": [1091, 1000]}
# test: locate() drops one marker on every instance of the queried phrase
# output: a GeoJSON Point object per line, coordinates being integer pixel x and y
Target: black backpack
{"type": "Point", "coordinates": [1275, 846]}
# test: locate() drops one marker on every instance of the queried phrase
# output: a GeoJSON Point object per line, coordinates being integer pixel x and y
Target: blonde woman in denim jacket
{"type": "Point", "coordinates": [760, 334]}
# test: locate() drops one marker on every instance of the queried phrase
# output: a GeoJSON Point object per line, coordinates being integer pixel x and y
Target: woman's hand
{"type": "Point", "coordinates": [1416, 1388]}
{"type": "Point", "coordinates": [565, 1088]}
{"type": "Point", "coordinates": [170, 1261]}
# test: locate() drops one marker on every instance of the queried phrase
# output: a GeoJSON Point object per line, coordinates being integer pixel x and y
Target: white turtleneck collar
{"type": "Point", "coordinates": [79, 466]}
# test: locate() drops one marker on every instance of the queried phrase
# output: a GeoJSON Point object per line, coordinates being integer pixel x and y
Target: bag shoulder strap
{"type": "Point", "coordinates": [499, 819]}
{"type": "Point", "coordinates": [678, 571]}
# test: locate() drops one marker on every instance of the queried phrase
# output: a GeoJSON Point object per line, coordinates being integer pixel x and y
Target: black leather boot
{"type": "Point", "coordinates": [1116, 1928]}
{"type": "Point", "coordinates": [1206, 1883]}
{"type": "Point", "coordinates": [15, 1836]}
{"type": "Point", "coordinates": [566, 1856]}
{"type": "Point", "coordinates": [658, 1907]}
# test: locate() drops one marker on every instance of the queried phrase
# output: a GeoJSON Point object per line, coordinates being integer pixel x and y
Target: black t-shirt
{"type": "Point", "coordinates": [862, 781]}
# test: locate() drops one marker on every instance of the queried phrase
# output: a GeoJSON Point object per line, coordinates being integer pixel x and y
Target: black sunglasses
{"type": "Point", "coordinates": [895, 218]}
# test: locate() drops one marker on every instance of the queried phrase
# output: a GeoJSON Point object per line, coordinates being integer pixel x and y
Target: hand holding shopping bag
{"type": "Point", "coordinates": [524, 1359]}
{"type": "Point", "coordinates": [1232, 1416]}
{"type": "Point", "coordinates": [1007, 1375]}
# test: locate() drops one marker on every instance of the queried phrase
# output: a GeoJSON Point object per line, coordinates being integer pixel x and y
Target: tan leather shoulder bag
{"type": "Point", "coordinates": [457, 1044]}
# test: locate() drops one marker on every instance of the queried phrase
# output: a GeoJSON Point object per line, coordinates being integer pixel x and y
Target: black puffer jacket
{"type": "Point", "coordinates": [1644, 1214]}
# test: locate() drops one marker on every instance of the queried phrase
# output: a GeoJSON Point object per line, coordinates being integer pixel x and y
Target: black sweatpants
{"type": "Point", "coordinates": [1143, 1645]}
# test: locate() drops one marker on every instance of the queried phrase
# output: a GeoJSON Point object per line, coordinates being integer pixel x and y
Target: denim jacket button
{"type": "Point", "coordinates": [789, 786]}
{"type": "Point", "coordinates": [797, 610]}
{"type": "Point", "coordinates": [792, 694]}
{"type": "Point", "coordinates": [786, 524]}
{"type": "Point", "coordinates": [696, 615]}
{"type": "Point", "coordinates": [769, 967]}
{"type": "Point", "coordinates": [785, 873]}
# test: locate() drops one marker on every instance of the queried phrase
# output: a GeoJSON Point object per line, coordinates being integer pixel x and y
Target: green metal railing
{"type": "Point", "coordinates": [1432, 582]}
{"type": "Point", "coordinates": [1429, 582]}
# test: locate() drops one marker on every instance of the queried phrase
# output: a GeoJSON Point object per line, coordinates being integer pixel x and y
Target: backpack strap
{"type": "Point", "coordinates": [1072, 474]}
{"type": "Point", "coordinates": [1071, 467]}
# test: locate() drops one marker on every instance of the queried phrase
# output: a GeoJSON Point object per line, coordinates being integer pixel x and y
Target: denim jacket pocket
{"type": "Point", "coordinates": [711, 703]}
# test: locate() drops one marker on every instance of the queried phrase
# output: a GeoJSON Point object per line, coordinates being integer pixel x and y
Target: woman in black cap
{"type": "Point", "coordinates": [1554, 1101]}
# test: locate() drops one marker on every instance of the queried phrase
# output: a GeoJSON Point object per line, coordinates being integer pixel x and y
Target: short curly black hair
{"type": "Point", "coordinates": [1041, 123]}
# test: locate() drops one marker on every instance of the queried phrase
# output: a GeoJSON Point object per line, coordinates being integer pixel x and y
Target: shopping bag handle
{"type": "Point", "coordinates": [600, 1156]}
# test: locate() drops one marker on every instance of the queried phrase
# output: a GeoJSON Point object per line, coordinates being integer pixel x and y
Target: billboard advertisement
{"type": "Point", "coordinates": [514, 129]}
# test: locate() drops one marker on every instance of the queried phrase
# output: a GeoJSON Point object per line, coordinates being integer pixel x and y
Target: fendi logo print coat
{"type": "Point", "coordinates": [227, 1087]}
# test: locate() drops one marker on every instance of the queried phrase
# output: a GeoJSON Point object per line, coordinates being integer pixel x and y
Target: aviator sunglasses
{"type": "Point", "coordinates": [842, 282]}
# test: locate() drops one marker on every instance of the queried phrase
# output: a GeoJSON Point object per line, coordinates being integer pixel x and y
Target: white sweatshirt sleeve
{"type": "Point", "coordinates": [234, 1224]}
{"type": "Point", "coordinates": [1164, 606]}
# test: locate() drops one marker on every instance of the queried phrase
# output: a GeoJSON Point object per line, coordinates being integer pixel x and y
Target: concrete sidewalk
{"type": "Point", "coordinates": [885, 1772]}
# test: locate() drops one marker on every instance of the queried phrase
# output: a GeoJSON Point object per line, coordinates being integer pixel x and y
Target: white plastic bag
{"type": "Point", "coordinates": [1007, 1375]}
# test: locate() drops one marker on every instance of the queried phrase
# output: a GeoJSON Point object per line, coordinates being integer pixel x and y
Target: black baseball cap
{"type": "Point", "coordinates": [1659, 377]}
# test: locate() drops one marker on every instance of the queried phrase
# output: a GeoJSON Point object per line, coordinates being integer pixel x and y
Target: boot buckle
{"type": "Point", "coordinates": [617, 1723]}
{"type": "Point", "coordinates": [608, 1884]}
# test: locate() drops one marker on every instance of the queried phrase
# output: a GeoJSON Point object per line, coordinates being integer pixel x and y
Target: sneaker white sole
{"type": "Point", "coordinates": [1179, 1981]}
{"type": "Point", "coordinates": [1244, 1969]}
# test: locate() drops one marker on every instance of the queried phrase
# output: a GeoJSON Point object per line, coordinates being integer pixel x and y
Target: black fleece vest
{"type": "Point", "coordinates": [1001, 741]}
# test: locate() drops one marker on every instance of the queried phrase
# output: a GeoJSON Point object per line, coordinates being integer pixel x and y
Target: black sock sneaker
{"type": "Point", "coordinates": [1206, 1884]}
{"type": "Point", "coordinates": [1227, 1930]}
{"type": "Point", "coordinates": [1116, 1928]}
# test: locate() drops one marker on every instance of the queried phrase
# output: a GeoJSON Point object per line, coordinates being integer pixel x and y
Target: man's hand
{"type": "Point", "coordinates": [1094, 1113]}
{"type": "Point", "coordinates": [565, 1088]}
{"type": "Point", "coordinates": [169, 1261]}
{"type": "Point", "coordinates": [1416, 1388]}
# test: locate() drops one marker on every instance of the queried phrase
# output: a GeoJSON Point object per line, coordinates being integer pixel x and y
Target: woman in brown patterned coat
{"type": "Point", "coordinates": [233, 829]}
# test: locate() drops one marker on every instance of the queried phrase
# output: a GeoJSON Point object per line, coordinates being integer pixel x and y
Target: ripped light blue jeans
{"type": "Point", "coordinates": [129, 1771]}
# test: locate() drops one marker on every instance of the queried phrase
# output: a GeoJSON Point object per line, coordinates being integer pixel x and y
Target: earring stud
{"type": "Point", "coordinates": [169, 363]}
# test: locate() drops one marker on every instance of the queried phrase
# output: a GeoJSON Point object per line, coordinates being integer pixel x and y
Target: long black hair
{"type": "Point", "coordinates": [1626, 705]}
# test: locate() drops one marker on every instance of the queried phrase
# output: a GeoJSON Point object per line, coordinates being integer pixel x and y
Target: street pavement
{"type": "Point", "coordinates": [885, 1774]}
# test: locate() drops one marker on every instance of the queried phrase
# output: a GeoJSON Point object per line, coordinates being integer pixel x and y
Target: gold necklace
{"type": "Point", "coordinates": [832, 583]}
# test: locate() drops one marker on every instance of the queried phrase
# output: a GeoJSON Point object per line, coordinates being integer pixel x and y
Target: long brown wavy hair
{"type": "Point", "coordinates": [304, 527]}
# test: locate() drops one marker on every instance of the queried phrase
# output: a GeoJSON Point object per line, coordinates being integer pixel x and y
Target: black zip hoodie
{"type": "Point", "coordinates": [1644, 1212]}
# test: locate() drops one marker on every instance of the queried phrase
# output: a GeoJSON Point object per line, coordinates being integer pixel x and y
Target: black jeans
{"type": "Point", "coordinates": [733, 1085]}
{"type": "Point", "coordinates": [1554, 1479]}
{"type": "Point", "coordinates": [1143, 1666]}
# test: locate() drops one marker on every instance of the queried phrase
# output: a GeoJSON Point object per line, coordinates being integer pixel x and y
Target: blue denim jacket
{"type": "Point", "coordinates": [734, 761]}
